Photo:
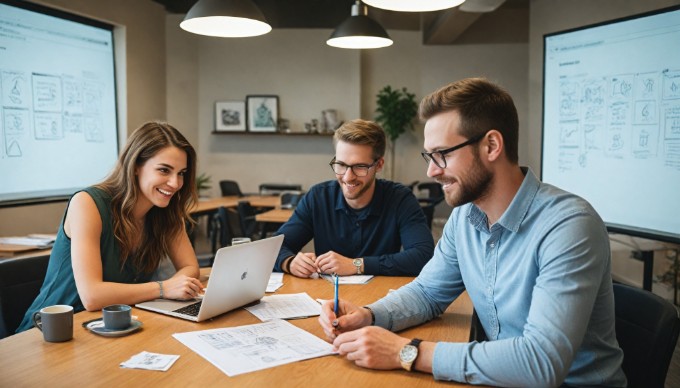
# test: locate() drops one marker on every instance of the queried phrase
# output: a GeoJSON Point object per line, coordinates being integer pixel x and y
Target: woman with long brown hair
{"type": "Point", "coordinates": [114, 234]}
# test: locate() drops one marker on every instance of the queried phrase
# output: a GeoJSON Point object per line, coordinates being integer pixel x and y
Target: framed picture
{"type": "Point", "coordinates": [263, 113]}
{"type": "Point", "coordinates": [230, 116]}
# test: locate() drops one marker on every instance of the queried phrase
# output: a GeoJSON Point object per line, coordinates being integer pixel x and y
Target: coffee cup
{"type": "Point", "coordinates": [55, 322]}
{"type": "Point", "coordinates": [117, 316]}
{"type": "Point", "coordinates": [240, 240]}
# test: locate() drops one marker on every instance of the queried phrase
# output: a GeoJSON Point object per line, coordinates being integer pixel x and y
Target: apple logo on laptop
{"type": "Point", "coordinates": [244, 275]}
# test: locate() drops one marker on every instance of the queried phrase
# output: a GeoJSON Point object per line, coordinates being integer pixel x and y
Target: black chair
{"type": "Point", "coordinates": [230, 188]}
{"type": "Point", "coordinates": [647, 328]}
{"type": "Point", "coordinates": [428, 208]}
{"type": "Point", "coordinates": [435, 193]}
{"type": "Point", "coordinates": [221, 231]}
{"type": "Point", "coordinates": [278, 188]}
{"type": "Point", "coordinates": [20, 282]}
{"type": "Point", "coordinates": [250, 227]}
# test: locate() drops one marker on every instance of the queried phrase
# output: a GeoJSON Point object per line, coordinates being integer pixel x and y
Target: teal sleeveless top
{"type": "Point", "coordinates": [60, 285]}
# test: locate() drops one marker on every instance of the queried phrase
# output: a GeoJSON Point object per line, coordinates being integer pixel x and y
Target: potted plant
{"type": "Point", "coordinates": [202, 183]}
{"type": "Point", "coordinates": [395, 112]}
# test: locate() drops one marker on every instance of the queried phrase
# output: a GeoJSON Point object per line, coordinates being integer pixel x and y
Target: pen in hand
{"type": "Point", "coordinates": [335, 307]}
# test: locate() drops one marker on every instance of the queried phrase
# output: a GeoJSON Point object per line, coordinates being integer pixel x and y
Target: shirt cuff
{"type": "Point", "coordinates": [371, 265]}
{"type": "Point", "coordinates": [448, 361]}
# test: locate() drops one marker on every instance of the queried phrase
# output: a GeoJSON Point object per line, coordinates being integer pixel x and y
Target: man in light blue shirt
{"type": "Point", "coordinates": [534, 259]}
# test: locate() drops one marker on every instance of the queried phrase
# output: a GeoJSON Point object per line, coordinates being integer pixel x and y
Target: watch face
{"type": "Point", "coordinates": [408, 353]}
{"type": "Point", "coordinates": [356, 262]}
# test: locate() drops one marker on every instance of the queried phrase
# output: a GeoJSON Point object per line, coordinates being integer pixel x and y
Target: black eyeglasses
{"type": "Point", "coordinates": [439, 157]}
{"type": "Point", "coordinates": [340, 168]}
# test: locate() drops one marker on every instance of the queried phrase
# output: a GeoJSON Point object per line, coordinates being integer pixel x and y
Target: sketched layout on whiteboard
{"type": "Point", "coordinates": [15, 122]}
{"type": "Point", "coordinates": [635, 115]}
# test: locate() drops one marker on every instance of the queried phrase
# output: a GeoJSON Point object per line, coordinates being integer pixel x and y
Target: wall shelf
{"type": "Point", "coordinates": [325, 134]}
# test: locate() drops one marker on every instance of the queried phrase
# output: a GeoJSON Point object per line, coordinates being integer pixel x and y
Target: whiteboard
{"type": "Point", "coordinates": [611, 120]}
{"type": "Point", "coordinates": [58, 129]}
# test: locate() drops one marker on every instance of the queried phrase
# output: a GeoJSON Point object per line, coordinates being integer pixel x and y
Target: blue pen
{"type": "Point", "coordinates": [335, 308]}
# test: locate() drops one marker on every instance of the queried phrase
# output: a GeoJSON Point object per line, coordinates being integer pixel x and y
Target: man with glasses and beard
{"type": "Point", "coordinates": [534, 259]}
{"type": "Point", "coordinates": [360, 224]}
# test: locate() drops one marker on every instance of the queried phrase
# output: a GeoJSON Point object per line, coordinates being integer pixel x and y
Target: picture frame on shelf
{"type": "Point", "coordinates": [230, 116]}
{"type": "Point", "coordinates": [263, 112]}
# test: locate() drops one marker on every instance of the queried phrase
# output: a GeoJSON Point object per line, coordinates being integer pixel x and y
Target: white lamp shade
{"type": "Point", "coordinates": [413, 5]}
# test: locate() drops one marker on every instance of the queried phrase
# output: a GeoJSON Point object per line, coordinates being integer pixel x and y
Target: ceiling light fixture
{"type": "Point", "coordinates": [226, 19]}
{"type": "Point", "coordinates": [359, 31]}
{"type": "Point", "coordinates": [480, 5]}
{"type": "Point", "coordinates": [413, 5]}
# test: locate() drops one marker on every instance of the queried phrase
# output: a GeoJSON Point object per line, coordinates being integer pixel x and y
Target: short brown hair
{"type": "Point", "coordinates": [362, 132]}
{"type": "Point", "coordinates": [482, 106]}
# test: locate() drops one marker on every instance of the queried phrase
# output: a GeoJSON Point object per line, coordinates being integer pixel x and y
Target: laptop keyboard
{"type": "Point", "coordinates": [191, 309]}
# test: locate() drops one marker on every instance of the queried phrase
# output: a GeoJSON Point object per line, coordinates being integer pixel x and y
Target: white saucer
{"type": "Point", "coordinates": [97, 327]}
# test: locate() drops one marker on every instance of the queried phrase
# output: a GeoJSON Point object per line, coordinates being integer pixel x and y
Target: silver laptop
{"type": "Point", "coordinates": [239, 276]}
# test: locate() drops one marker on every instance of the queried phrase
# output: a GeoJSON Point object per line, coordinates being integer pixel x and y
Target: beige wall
{"type": "Point", "coordinates": [143, 22]}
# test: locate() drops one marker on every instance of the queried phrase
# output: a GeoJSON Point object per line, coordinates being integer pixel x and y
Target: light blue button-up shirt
{"type": "Point", "coordinates": [540, 281]}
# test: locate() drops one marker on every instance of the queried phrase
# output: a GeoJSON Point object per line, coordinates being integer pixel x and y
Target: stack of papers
{"type": "Point", "coordinates": [32, 240]}
{"type": "Point", "coordinates": [275, 281]}
{"type": "Point", "coordinates": [285, 306]}
{"type": "Point", "coordinates": [351, 279]}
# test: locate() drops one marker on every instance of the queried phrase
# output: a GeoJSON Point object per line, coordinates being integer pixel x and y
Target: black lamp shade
{"type": "Point", "coordinates": [225, 18]}
{"type": "Point", "coordinates": [362, 30]}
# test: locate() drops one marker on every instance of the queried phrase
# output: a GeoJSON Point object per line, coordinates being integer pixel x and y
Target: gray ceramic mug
{"type": "Point", "coordinates": [55, 322]}
{"type": "Point", "coordinates": [117, 316]}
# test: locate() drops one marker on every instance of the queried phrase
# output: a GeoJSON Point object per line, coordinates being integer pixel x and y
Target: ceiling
{"type": "Point", "coordinates": [450, 26]}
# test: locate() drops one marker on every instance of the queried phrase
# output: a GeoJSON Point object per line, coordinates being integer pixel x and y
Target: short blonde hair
{"type": "Point", "coordinates": [362, 132]}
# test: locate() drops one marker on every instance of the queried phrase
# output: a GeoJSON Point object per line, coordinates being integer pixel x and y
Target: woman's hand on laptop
{"type": "Point", "coordinates": [182, 287]}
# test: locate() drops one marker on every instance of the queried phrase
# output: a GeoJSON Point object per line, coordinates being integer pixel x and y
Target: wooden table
{"type": "Point", "coordinates": [278, 216]}
{"type": "Point", "coordinates": [90, 360]}
{"type": "Point", "coordinates": [210, 205]}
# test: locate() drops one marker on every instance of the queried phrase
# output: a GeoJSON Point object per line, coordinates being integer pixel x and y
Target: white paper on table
{"type": "Point", "coordinates": [349, 279]}
{"type": "Point", "coordinates": [150, 361]}
{"type": "Point", "coordinates": [275, 281]}
{"type": "Point", "coordinates": [285, 306]}
{"type": "Point", "coordinates": [243, 349]}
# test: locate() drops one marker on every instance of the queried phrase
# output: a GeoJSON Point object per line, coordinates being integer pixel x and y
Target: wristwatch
{"type": "Point", "coordinates": [409, 353]}
{"type": "Point", "coordinates": [358, 263]}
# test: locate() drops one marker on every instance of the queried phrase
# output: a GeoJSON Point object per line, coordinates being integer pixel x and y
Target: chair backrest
{"type": "Point", "coordinates": [221, 231]}
{"type": "Point", "coordinates": [428, 208]}
{"type": "Point", "coordinates": [435, 193]}
{"type": "Point", "coordinates": [289, 199]}
{"type": "Point", "coordinates": [246, 214]}
{"type": "Point", "coordinates": [20, 282]}
{"type": "Point", "coordinates": [230, 188]}
{"type": "Point", "coordinates": [278, 188]}
{"type": "Point", "coordinates": [647, 328]}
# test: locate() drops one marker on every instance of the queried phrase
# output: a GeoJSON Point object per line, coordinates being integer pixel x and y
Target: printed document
{"type": "Point", "coordinates": [285, 306]}
{"type": "Point", "coordinates": [243, 349]}
{"type": "Point", "coordinates": [349, 279]}
{"type": "Point", "coordinates": [275, 281]}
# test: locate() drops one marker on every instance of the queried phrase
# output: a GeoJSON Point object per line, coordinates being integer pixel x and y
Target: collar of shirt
{"type": "Point", "coordinates": [515, 213]}
{"type": "Point", "coordinates": [375, 207]}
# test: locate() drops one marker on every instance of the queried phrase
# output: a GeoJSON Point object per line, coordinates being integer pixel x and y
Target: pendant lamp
{"type": "Point", "coordinates": [359, 31]}
{"type": "Point", "coordinates": [414, 5]}
{"type": "Point", "coordinates": [226, 19]}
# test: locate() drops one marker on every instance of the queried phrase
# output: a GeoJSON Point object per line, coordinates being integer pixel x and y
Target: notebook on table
{"type": "Point", "coordinates": [239, 276]}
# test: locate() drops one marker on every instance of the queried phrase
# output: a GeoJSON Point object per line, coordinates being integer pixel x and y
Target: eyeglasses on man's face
{"type": "Point", "coordinates": [439, 157]}
{"type": "Point", "coordinates": [360, 170]}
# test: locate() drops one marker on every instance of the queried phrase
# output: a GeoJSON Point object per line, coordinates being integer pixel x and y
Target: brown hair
{"type": "Point", "coordinates": [362, 132]}
{"type": "Point", "coordinates": [482, 106]}
{"type": "Point", "coordinates": [161, 225]}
